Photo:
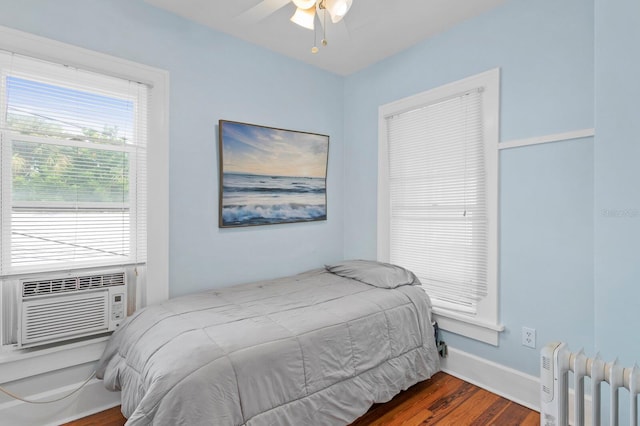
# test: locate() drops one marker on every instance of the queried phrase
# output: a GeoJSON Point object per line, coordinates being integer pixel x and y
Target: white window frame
{"type": "Point", "coordinates": [484, 325]}
{"type": "Point", "coordinates": [12, 364]}
{"type": "Point", "coordinates": [82, 82]}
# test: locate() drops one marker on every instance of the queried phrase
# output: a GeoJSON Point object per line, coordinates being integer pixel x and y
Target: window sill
{"type": "Point", "coordinates": [468, 327]}
{"type": "Point", "coordinates": [16, 365]}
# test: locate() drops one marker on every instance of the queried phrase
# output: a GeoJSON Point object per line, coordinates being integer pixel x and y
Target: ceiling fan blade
{"type": "Point", "coordinates": [262, 10]}
{"type": "Point", "coordinates": [338, 30]}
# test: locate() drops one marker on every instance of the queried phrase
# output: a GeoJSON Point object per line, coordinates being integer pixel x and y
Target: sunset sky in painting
{"type": "Point", "coordinates": [273, 152]}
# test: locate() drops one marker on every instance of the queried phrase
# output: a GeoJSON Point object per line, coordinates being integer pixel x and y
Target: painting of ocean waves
{"type": "Point", "coordinates": [260, 200]}
{"type": "Point", "coordinates": [271, 176]}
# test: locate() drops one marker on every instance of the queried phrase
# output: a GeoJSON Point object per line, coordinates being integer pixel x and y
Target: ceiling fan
{"type": "Point", "coordinates": [305, 14]}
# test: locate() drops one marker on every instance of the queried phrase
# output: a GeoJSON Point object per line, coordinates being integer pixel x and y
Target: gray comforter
{"type": "Point", "coordinates": [317, 348]}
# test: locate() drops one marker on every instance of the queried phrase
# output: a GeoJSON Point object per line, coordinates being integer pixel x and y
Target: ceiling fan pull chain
{"type": "Point", "coordinates": [314, 49]}
{"type": "Point", "coordinates": [324, 26]}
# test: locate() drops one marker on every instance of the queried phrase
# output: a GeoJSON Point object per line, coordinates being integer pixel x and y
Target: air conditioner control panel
{"type": "Point", "coordinates": [117, 307]}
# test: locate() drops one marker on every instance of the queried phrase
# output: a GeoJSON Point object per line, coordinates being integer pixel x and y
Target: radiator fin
{"type": "Point", "coordinates": [555, 386]}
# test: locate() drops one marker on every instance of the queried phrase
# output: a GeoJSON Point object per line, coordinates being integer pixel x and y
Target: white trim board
{"type": "Point", "coordinates": [17, 366]}
{"type": "Point", "coordinates": [459, 324]}
{"type": "Point", "coordinates": [557, 137]}
{"type": "Point", "coordinates": [514, 385]}
{"type": "Point", "coordinates": [92, 399]}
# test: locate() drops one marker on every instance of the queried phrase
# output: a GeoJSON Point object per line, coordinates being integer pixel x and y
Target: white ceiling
{"type": "Point", "coordinates": [371, 31]}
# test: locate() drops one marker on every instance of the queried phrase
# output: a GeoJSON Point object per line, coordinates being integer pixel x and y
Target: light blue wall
{"type": "Point", "coordinates": [617, 184]}
{"type": "Point", "coordinates": [212, 76]}
{"type": "Point", "coordinates": [552, 196]}
{"type": "Point", "coordinates": [545, 52]}
{"type": "Point", "coordinates": [617, 179]}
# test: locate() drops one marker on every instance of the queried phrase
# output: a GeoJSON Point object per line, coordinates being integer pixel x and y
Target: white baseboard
{"type": "Point", "coordinates": [514, 385]}
{"type": "Point", "coordinates": [91, 399]}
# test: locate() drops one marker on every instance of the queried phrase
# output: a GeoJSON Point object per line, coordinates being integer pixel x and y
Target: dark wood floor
{"type": "Point", "coordinates": [442, 400]}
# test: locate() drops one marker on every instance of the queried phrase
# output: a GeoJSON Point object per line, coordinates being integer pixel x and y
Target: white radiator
{"type": "Point", "coordinates": [556, 361]}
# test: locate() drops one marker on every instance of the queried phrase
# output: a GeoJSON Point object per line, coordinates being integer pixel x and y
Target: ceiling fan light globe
{"type": "Point", "coordinates": [304, 4]}
{"type": "Point", "coordinates": [337, 9]}
{"type": "Point", "coordinates": [304, 17]}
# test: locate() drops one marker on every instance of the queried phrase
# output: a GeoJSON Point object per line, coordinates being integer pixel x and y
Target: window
{"type": "Point", "coordinates": [95, 87]}
{"type": "Point", "coordinates": [73, 155]}
{"type": "Point", "coordinates": [438, 205]}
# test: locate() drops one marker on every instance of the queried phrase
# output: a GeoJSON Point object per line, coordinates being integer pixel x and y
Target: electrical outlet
{"type": "Point", "coordinates": [529, 337]}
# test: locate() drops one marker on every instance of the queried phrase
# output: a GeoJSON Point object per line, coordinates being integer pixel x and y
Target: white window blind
{"type": "Point", "coordinates": [73, 167]}
{"type": "Point", "coordinates": [438, 209]}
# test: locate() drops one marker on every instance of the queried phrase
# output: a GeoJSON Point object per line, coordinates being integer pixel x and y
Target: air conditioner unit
{"type": "Point", "coordinates": [56, 308]}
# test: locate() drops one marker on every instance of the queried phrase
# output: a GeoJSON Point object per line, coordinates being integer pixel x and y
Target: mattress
{"type": "Point", "coordinates": [317, 348]}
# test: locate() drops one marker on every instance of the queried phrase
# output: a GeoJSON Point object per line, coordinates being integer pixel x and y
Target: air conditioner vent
{"type": "Point", "coordinates": [62, 285]}
{"type": "Point", "coordinates": [40, 287]}
{"type": "Point", "coordinates": [97, 281]}
{"type": "Point", "coordinates": [74, 315]}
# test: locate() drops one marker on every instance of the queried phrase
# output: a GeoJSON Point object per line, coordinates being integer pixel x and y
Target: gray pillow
{"type": "Point", "coordinates": [378, 274]}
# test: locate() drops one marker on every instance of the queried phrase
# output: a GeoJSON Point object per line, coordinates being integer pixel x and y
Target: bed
{"type": "Point", "coordinates": [317, 348]}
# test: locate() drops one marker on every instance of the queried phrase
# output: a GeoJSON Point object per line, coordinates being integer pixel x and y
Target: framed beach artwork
{"type": "Point", "coordinates": [271, 176]}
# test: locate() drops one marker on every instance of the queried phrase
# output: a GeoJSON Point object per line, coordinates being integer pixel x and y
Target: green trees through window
{"type": "Point", "coordinates": [53, 172]}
